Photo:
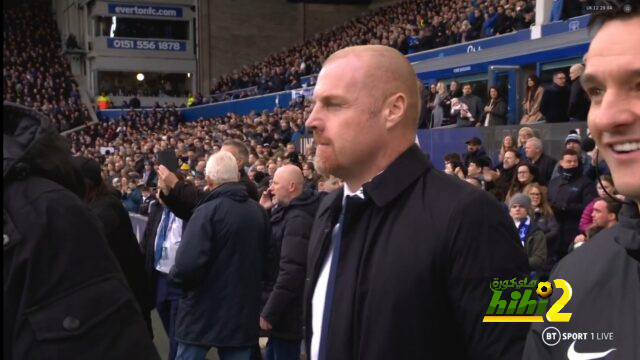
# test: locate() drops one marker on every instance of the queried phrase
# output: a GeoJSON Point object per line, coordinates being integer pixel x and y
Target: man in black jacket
{"type": "Point", "coordinates": [603, 273]}
{"type": "Point", "coordinates": [400, 259]}
{"type": "Point", "coordinates": [64, 294]}
{"type": "Point", "coordinates": [292, 211]}
{"type": "Point", "coordinates": [534, 150]}
{"type": "Point", "coordinates": [569, 194]}
{"type": "Point", "coordinates": [555, 99]}
{"type": "Point", "coordinates": [578, 99]}
{"type": "Point", "coordinates": [184, 196]}
{"type": "Point", "coordinates": [219, 265]}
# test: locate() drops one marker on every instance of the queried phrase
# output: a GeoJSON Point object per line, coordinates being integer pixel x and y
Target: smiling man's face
{"type": "Point", "coordinates": [612, 80]}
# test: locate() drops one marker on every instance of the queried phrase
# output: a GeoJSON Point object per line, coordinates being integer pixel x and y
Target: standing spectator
{"type": "Point", "coordinates": [58, 270]}
{"type": "Point", "coordinates": [569, 194]}
{"type": "Point", "coordinates": [495, 113]}
{"type": "Point", "coordinates": [291, 222]}
{"type": "Point", "coordinates": [441, 109]}
{"type": "Point", "coordinates": [478, 24]}
{"type": "Point", "coordinates": [531, 237]}
{"type": "Point", "coordinates": [555, 99]}
{"type": "Point", "coordinates": [117, 227]}
{"type": "Point", "coordinates": [160, 242]}
{"type": "Point", "coordinates": [310, 176]}
{"type": "Point", "coordinates": [454, 89]}
{"type": "Point", "coordinates": [387, 177]}
{"type": "Point", "coordinates": [474, 105]}
{"type": "Point", "coordinates": [131, 195]}
{"type": "Point", "coordinates": [536, 156]}
{"type": "Point", "coordinates": [532, 100]}
{"type": "Point", "coordinates": [218, 264]}
{"type": "Point", "coordinates": [503, 23]}
{"type": "Point", "coordinates": [578, 100]}
{"type": "Point", "coordinates": [605, 214]}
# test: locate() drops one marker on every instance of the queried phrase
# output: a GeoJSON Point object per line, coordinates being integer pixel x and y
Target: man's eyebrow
{"type": "Point", "coordinates": [589, 79]}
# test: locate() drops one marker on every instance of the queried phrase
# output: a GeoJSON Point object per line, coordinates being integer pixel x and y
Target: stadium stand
{"type": "Point", "coordinates": [35, 72]}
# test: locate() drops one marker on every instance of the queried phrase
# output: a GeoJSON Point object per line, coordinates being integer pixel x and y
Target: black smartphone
{"type": "Point", "coordinates": [169, 159]}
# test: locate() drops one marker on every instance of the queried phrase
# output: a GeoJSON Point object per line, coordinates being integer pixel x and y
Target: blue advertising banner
{"type": "Point", "coordinates": [144, 10]}
{"type": "Point", "coordinates": [561, 27]}
{"type": "Point", "coordinates": [137, 44]}
{"type": "Point", "coordinates": [474, 46]}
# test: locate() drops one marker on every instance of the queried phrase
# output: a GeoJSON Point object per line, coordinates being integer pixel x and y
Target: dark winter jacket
{"type": "Point", "coordinates": [568, 198]}
{"type": "Point", "coordinates": [124, 245]}
{"type": "Point", "coordinates": [290, 230]}
{"type": "Point", "coordinates": [536, 247]}
{"type": "Point", "coordinates": [579, 102]}
{"type": "Point", "coordinates": [555, 103]}
{"type": "Point", "coordinates": [64, 295]}
{"type": "Point", "coordinates": [498, 113]}
{"type": "Point", "coordinates": [219, 265]}
{"type": "Point", "coordinates": [416, 260]}
{"type": "Point", "coordinates": [185, 196]}
{"type": "Point", "coordinates": [603, 275]}
{"type": "Point", "coordinates": [545, 165]}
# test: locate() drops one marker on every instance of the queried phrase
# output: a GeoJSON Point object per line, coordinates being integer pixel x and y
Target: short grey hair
{"type": "Point", "coordinates": [222, 168]}
{"type": "Point", "coordinates": [536, 142]}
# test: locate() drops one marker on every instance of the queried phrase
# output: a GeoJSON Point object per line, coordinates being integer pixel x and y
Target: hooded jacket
{"type": "Point", "coordinates": [604, 275]}
{"type": "Point", "coordinates": [290, 231]}
{"type": "Point", "coordinates": [64, 295]}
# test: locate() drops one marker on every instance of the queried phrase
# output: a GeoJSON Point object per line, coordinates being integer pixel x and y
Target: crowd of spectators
{"type": "Point", "coordinates": [126, 147]}
{"type": "Point", "coordinates": [35, 72]}
{"type": "Point", "coordinates": [558, 195]}
{"type": "Point", "coordinates": [409, 26]}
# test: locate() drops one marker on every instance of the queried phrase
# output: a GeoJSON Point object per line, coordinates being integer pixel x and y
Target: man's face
{"type": "Point", "coordinates": [466, 90]}
{"type": "Point", "coordinates": [518, 212]}
{"type": "Point", "coordinates": [600, 214]}
{"type": "Point", "coordinates": [474, 170]}
{"type": "Point", "coordinates": [531, 150]}
{"type": "Point", "coordinates": [343, 106]}
{"type": "Point", "coordinates": [523, 174]}
{"type": "Point", "coordinates": [509, 160]}
{"type": "Point", "coordinates": [569, 161]}
{"type": "Point", "coordinates": [290, 148]}
{"type": "Point", "coordinates": [560, 79]}
{"type": "Point", "coordinates": [471, 148]}
{"type": "Point", "coordinates": [281, 189]}
{"type": "Point", "coordinates": [612, 81]}
{"type": "Point", "coordinates": [575, 146]}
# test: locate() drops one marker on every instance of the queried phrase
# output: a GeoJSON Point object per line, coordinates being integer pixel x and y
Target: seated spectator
{"type": "Point", "coordinates": [453, 165]}
{"type": "Point", "coordinates": [525, 175]}
{"type": "Point", "coordinates": [544, 219]}
{"type": "Point", "coordinates": [605, 188]}
{"type": "Point", "coordinates": [495, 113]}
{"type": "Point", "coordinates": [534, 152]}
{"type": "Point", "coordinates": [532, 99]}
{"type": "Point", "coordinates": [525, 133]}
{"type": "Point", "coordinates": [605, 215]}
{"type": "Point", "coordinates": [508, 143]}
{"type": "Point", "coordinates": [531, 237]}
{"type": "Point", "coordinates": [574, 142]}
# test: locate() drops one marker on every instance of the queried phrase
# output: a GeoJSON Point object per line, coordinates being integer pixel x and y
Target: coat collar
{"type": "Point", "coordinates": [402, 172]}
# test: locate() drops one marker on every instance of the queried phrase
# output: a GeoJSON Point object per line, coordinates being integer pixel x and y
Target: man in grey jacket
{"type": "Point", "coordinates": [474, 106]}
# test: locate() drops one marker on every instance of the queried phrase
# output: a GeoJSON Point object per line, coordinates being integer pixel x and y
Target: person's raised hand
{"type": "Point", "coordinates": [167, 177]}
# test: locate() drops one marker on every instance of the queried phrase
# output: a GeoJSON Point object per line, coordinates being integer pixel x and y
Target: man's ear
{"type": "Point", "coordinates": [394, 109]}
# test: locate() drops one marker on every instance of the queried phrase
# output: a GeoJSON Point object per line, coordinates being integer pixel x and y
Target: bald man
{"type": "Point", "coordinates": [292, 211]}
{"type": "Point", "coordinates": [400, 260]}
{"type": "Point", "coordinates": [579, 102]}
